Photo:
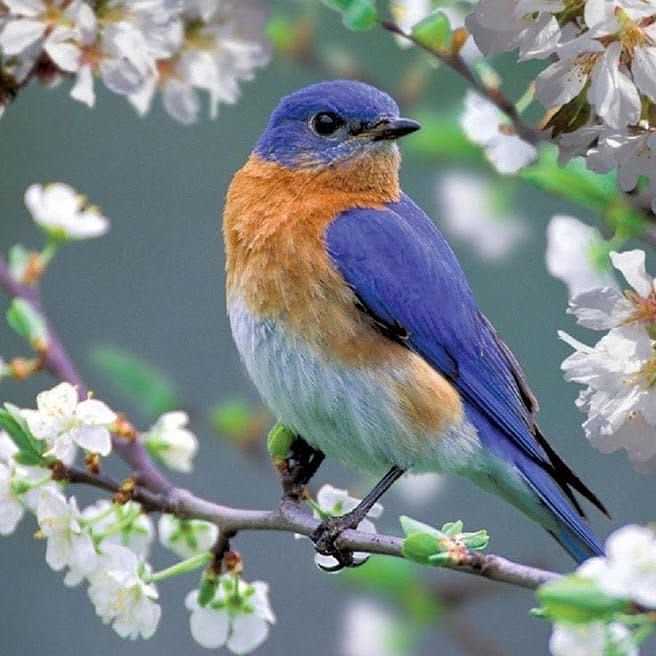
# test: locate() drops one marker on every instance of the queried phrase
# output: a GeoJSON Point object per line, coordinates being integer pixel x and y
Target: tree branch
{"type": "Point", "coordinates": [157, 494]}
{"type": "Point", "coordinates": [291, 517]}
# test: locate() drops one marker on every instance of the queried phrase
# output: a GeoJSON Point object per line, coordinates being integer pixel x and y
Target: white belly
{"type": "Point", "coordinates": [348, 413]}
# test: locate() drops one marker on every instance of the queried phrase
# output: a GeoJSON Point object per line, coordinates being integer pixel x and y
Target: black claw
{"type": "Point", "coordinates": [325, 536]}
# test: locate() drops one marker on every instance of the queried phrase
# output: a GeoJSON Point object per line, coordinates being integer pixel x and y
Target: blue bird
{"type": "Point", "coordinates": [357, 324]}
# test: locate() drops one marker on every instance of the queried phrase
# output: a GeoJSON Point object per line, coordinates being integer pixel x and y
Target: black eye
{"type": "Point", "coordinates": [326, 123]}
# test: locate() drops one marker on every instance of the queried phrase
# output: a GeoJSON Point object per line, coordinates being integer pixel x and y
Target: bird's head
{"type": "Point", "coordinates": [332, 122]}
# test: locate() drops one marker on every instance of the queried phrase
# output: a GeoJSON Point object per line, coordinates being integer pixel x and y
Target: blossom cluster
{"type": "Point", "coordinates": [627, 573]}
{"type": "Point", "coordinates": [619, 371]}
{"type": "Point", "coordinates": [137, 47]}
{"type": "Point", "coordinates": [107, 545]}
{"type": "Point", "coordinates": [600, 87]}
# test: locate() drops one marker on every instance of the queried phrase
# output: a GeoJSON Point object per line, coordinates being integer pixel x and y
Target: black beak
{"type": "Point", "coordinates": [392, 128]}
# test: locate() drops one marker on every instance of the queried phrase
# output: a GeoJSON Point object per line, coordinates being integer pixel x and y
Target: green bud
{"type": "Point", "coordinates": [280, 440]}
{"type": "Point", "coordinates": [357, 15]}
{"type": "Point", "coordinates": [28, 323]}
{"type": "Point", "coordinates": [440, 559]}
{"type": "Point", "coordinates": [475, 541]}
{"type": "Point", "coordinates": [208, 585]}
{"type": "Point", "coordinates": [453, 529]}
{"type": "Point", "coordinates": [420, 547]}
{"type": "Point", "coordinates": [18, 261]}
{"type": "Point", "coordinates": [411, 526]}
{"type": "Point", "coordinates": [434, 31]}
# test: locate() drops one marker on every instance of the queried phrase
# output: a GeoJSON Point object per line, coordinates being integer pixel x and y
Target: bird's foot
{"type": "Point", "coordinates": [301, 464]}
{"type": "Point", "coordinates": [325, 538]}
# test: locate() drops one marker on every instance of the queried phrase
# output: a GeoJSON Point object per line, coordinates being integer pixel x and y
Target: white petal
{"type": "Point", "coordinates": [60, 401]}
{"type": "Point", "coordinates": [509, 153]}
{"type": "Point", "coordinates": [209, 627]}
{"type": "Point", "coordinates": [95, 412]}
{"type": "Point", "coordinates": [631, 264]}
{"type": "Point", "coordinates": [95, 439]}
{"type": "Point", "coordinates": [248, 633]}
{"type": "Point", "coordinates": [560, 82]}
{"type": "Point", "coordinates": [600, 309]}
{"type": "Point", "coordinates": [83, 88]}
{"type": "Point", "coordinates": [17, 35]}
{"type": "Point", "coordinates": [181, 101]}
{"type": "Point", "coordinates": [644, 70]}
{"type": "Point", "coordinates": [61, 49]}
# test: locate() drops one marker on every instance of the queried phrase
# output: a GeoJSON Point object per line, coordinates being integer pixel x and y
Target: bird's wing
{"type": "Point", "coordinates": [407, 278]}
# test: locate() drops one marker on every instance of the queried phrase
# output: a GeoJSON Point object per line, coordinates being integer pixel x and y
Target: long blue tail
{"type": "Point", "coordinates": [548, 497]}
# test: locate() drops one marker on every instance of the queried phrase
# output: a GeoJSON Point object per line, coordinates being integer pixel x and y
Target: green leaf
{"type": "Point", "coordinates": [420, 547]}
{"type": "Point", "coordinates": [28, 323]}
{"type": "Point", "coordinates": [475, 541]}
{"type": "Point", "coordinates": [577, 599]}
{"type": "Point", "coordinates": [150, 389]}
{"type": "Point", "coordinates": [411, 526]}
{"type": "Point", "coordinates": [452, 529]}
{"type": "Point", "coordinates": [30, 449]}
{"type": "Point", "coordinates": [232, 417]}
{"type": "Point", "coordinates": [357, 15]}
{"type": "Point", "coordinates": [434, 31]}
{"type": "Point", "coordinates": [280, 440]}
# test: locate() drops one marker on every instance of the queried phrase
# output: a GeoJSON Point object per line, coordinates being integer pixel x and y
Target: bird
{"type": "Point", "coordinates": [358, 327]}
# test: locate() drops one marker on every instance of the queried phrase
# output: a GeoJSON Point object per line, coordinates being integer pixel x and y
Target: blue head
{"type": "Point", "coordinates": [331, 122]}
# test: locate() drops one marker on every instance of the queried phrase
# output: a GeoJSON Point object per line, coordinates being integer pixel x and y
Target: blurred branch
{"type": "Point", "coordinates": [60, 365]}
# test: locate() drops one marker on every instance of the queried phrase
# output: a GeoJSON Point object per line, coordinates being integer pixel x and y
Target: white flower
{"type": "Point", "coordinates": [367, 629]}
{"type": "Point", "coordinates": [69, 545]}
{"type": "Point", "coordinates": [593, 639]}
{"type": "Point", "coordinates": [169, 441]}
{"type": "Point", "coordinates": [237, 617]}
{"type": "Point", "coordinates": [11, 509]}
{"type": "Point", "coordinates": [136, 528]}
{"type": "Point", "coordinates": [51, 24]}
{"type": "Point", "coordinates": [481, 122]}
{"type": "Point", "coordinates": [8, 449]}
{"type": "Point", "coordinates": [64, 423]}
{"type": "Point", "coordinates": [629, 569]}
{"type": "Point", "coordinates": [419, 489]}
{"type": "Point", "coordinates": [574, 252]}
{"type": "Point", "coordinates": [186, 537]}
{"type": "Point", "coordinates": [474, 213]}
{"type": "Point", "coordinates": [334, 502]}
{"type": "Point", "coordinates": [502, 25]}
{"type": "Point", "coordinates": [619, 372]}
{"type": "Point", "coordinates": [121, 595]}
{"type": "Point", "coordinates": [60, 210]}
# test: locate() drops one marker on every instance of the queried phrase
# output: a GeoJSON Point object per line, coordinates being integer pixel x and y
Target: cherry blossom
{"type": "Point", "coordinates": [186, 537]}
{"type": "Point", "coordinates": [169, 441]}
{"type": "Point", "coordinates": [66, 423]}
{"type": "Point", "coordinates": [121, 594]}
{"type": "Point", "coordinates": [239, 616]}
{"type": "Point", "coordinates": [62, 212]}
{"type": "Point", "coordinates": [593, 639]}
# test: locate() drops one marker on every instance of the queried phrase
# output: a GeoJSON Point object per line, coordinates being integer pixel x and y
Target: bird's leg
{"type": "Point", "coordinates": [301, 465]}
{"type": "Point", "coordinates": [330, 529]}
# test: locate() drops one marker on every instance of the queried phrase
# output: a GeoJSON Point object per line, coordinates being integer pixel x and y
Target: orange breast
{"type": "Point", "coordinates": [277, 265]}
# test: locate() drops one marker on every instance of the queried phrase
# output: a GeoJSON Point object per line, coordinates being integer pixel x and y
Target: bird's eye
{"type": "Point", "coordinates": [326, 123]}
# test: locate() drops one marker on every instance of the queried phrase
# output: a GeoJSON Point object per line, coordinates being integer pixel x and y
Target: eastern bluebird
{"type": "Point", "coordinates": [357, 324]}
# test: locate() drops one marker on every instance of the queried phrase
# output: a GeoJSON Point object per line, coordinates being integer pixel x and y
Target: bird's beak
{"type": "Point", "coordinates": [391, 128]}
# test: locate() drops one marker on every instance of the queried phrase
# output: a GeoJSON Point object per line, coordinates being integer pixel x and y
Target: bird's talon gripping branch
{"type": "Point", "coordinates": [326, 535]}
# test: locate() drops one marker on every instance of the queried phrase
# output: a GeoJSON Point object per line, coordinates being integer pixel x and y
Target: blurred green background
{"type": "Point", "coordinates": [155, 286]}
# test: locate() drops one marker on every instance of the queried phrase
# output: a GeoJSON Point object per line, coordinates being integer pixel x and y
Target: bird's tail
{"type": "Point", "coordinates": [541, 489]}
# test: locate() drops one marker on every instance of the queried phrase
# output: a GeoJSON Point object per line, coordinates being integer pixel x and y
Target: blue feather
{"type": "Point", "coordinates": [405, 274]}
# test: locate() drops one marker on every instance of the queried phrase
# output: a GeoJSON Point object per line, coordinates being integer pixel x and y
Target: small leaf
{"type": "Point", "coordinates": [411, 526]}
{"type": "Point", "coordinates": [453, 528]}
{"type": "Point", "coordinates": [357, 15]}
{"type": "Point", "coordinates": [280, 440]}
{"type": "Point", "coordinates": [28, 323]}
{"type": "Point", "coordinates": [475, 541]}
{"type": "Point", "coordinates": [434, 31]}
{"type": "Point", "coordinates": [420, 547]}
{"type": "Point", "coordinates": [151, 390]}
{"type": "Point", "coordinates": [30, 449]}
{"type": "Point", "coordinates": [232, 417]}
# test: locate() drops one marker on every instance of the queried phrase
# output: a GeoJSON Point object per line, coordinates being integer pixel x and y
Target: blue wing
{"type": "Point", "coordinates": [407, 277]}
